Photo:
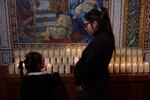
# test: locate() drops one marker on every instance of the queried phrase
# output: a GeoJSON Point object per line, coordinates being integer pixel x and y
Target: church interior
{"type": "Point", "coordinates": [50, 28]}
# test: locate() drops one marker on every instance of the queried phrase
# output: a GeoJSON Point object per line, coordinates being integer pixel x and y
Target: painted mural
{"type": "Point", "coordinates": [54, 21]}
{"type": "Point", "coordinates": [133, 23]}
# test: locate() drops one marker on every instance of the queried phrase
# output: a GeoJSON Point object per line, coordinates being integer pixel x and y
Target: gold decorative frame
{"type": "Point", "coordinates": [125, 23]}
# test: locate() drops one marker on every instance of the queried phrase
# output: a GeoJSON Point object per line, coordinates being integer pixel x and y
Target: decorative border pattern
{"type": "Point", "coordinates": [146, 24]}
{"type": "Point", "coordinates": [141, 31]}
{"type": "Point", "coordinates": [125, 23]}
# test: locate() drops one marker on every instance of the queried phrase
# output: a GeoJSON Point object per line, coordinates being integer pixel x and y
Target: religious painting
{"type": "Point", "coordinates": [53, 21]}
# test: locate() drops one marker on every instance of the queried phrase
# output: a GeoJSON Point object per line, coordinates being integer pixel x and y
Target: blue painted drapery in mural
{"type": "Point", "coordinates": [77, 20]}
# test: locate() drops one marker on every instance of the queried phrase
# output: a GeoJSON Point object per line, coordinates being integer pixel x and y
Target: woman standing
{"type": "Point", "coordinates": [91, 71]}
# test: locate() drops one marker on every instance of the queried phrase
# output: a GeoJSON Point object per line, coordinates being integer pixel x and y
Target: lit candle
{"type": "Point", "coordinates": [110, 67]}
{"type": "Point", "coordinates": [146, 67]}
{"type": "Point", "coordinates": [76, 59]}
{"type": "Point", "coordinates": [45, 53]}
{"type": "Point", "coordinates": [140, 58]}
{"type": "Point", "coordinates": [56, 52]}
{"type": "Point", "coordinates": [11, 69]}
{"type": "Point", "coordinates": [134, 52]}
{"type": "Point", "coordinates": [129, 52]}
{"type": "Point", "coordinates": [16, 68]}
{"type": "Point", "coordinates": [128, 68]}
{"type": "Point", "coordinates": [116, 68]}
{"type": "Point", "coordinates": [68, 52]}
{"type": "Point", "coordinates": [51, 52]}
{"type": "Point", "coordinates": [123, 51]}
{"type": "Point", "coordinates": [62, 52]}
{"type": "Point", "coordinates": [49, 68]}
{"type": "Point", "coordinates": [61, 69]}
{"type": "Point", "coordinates": [139, 51]}
{"type": "Point", "coordinates": [140, 68]}
{"type": "Point", "coordinates": [123, 58]}
{"type": "Point", "coordinates": [117, 59]}
{"type": "Point", "coordinates": [79, 52]}
{"type": "Point", "coordinates": [73, 52]}
{"type": "Point", "coordinates": [134, 68]}
{"type": "Point", "coordinates": [118, 52]}
{"type": "Point", "coordinates": [55, 68]}
{"type": "Point", "coordinates": [17, 60]}
{"type": "Point", "coordinates": [53, 60]}
{"type": "Point", "coordinates": [59, 60]}
{"type": "Point", "coordinates": [46, 60]}
{"type": "Point", "coordinates": [64, 60]}
{"type": "Point", "coordinates": [70, 60]}
{"type": "Point", "coordinates": [122, 68]}
{"type": "Point", "coordinates": [128, 58]}
{"type": "Point", "coordinates": [67, 69]}
{"type": "Point", "coordinates": [134, 59]}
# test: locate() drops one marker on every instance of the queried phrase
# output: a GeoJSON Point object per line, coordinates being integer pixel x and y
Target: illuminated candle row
{"type": "Point", "coordinates": [129, 67]}
{"type": "Point", "coordinates": [61, 60]}
{"type": "Point", "coordinates": [62, 69]}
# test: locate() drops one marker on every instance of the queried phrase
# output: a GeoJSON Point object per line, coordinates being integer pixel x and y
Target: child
{"type": "Point", "coordinates": [38, 84]}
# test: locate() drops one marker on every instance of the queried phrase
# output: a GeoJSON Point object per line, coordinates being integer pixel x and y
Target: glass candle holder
{"type": "Point", "coordinates": [122, 67]}
{"type": "Point", "coordinates": [73, 52]}
{"type": "Point", "coordinates": [67, 69]}
{"type": "Point", "coordinates": [68, 52]}
{"type": "Point", "coordinates": [128, 51]}
{"type": "Point", "coordinates": [56, 52]}
{"type": "Point", "coordinates": [134, 67]}
{"type": "Point", "coordinates": [55, 68]}
{"type": "Point", "coordinates": [128, 67]}
{"type": "Point", "coordinates": [49, 68]}
{"type": "Point", "coordinates": [146, 67]}
{"type": "Point", "coordinates": [79, 52]}
{"type": "Point", "coordinates": [140, 67]}
{"type": "Point", "coordinates": [134, 52]}
{"type": "Point", "coordinates": [61, 69]}
{"type": "Point", "coordinates": [116, 67]}
{"type": "Point", "coordinates": [11, 68]}
{"type": "Point", "coordinates": [110, 67]}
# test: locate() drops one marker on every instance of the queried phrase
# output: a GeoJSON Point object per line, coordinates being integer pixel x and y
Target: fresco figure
{"type": "Point", "coordinates": [26, 10]}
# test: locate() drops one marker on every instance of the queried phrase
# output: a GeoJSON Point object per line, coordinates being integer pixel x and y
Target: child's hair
{"type": "Point", "coordinates": [33, 62]}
